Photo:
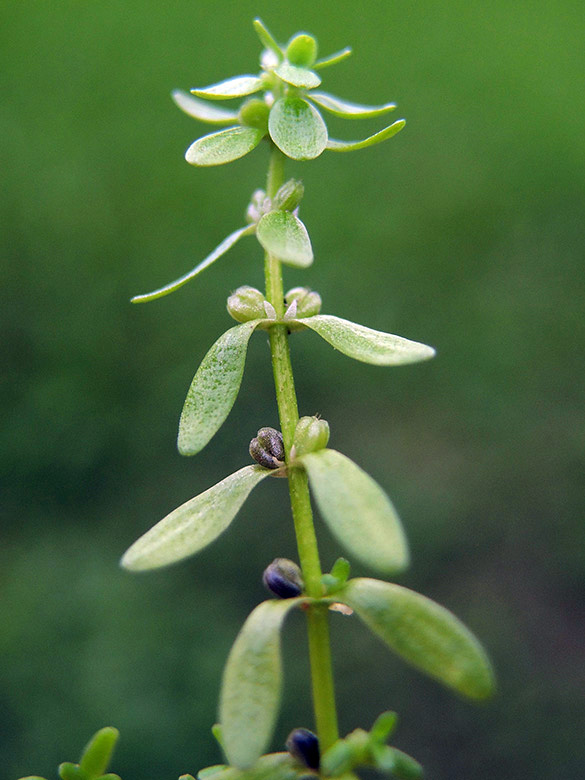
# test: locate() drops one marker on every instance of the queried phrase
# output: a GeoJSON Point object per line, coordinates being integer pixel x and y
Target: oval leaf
{"type": "Point", "coordinates": [297, 128]}
{"type": "Point", "coordinates": [98, 751]}
{"type": "Point", "coordinates": [214, 388]}
{"type": "Point", "coordinates": [250, 692]}
{"type": "Point", "coordinates": [357, 510]}
{"type": "Point", "coordinates": [346, 109]}
{"type": "Point", "coordinates": [351, 146]}
{"type": "Point", "coordinates": [283, 235]}
{"type": "Point", "coordinates": [333, 59]}
{"type": "Point", "coordinates": [298, 77]}
{"type": "Point", "coordinates": [239, 86]}
{"type": "Point", "coordinates": [223, 147]}
{"type": "Point", "coordinates": [194, 524]}
{"type": "Point", "coordinates": [365, 344]}
{"type": "Point", "coordinates": [425, 634]}
{"type": "Point", "coordinates": [211, 258]}
{"type": "Point", "coordinates": [201, 110]}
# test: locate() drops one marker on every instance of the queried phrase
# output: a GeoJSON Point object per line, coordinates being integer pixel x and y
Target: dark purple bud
{"type": "Point", "coordinates": [267, 448]}
{"type": "Point", "coordinates": [283, 578]}
{"type": "Point", "coordinates": [304, 746]}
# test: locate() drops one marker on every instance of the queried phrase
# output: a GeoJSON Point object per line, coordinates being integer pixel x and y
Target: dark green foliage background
{"type": "Point", "coordinates": [466, 231]}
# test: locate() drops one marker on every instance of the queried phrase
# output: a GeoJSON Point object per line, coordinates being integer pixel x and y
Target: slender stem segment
{"type": "Point", "coordinates": [317, 616]}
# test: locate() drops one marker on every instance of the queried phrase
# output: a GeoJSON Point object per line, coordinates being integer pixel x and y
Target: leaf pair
{"type": "Point", "coordinates": [94, 760]}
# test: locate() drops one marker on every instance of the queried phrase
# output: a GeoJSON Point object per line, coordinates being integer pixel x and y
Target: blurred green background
{"type": "Point", "coordinates": [465, 231]}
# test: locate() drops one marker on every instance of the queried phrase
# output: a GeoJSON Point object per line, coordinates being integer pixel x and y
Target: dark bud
{"type": "Point", "coordinates": [267, 448]}
{"type": "Point", "coordinates": [304, 746]}
{"type": "Point", "coordinates": [283, 577]}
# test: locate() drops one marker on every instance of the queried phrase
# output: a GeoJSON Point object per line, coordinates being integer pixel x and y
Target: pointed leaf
{"type": "Point", "coordinates": [351, 146]}
{"type": "Point", "coordinates": [333, 59]}
{"type": "Point", "coordinates": [357, 510]}
{"type": "Point", "coordinates": [220, 250]}
{"type": "Point", "coordinates": [283, 235]}
{"type": "Point", "coordinates": [214, 388]}
{"type": "Point", "coordinates": [224, 147]}
{"type": "Point", "coordinates": [98, 751]}
{"type": "Point", "coordinates": [365, 344]}
{"type": "Point", "coordinates": [203, 111]}
{"type": "Point", "coordinates": [346, 109]}
{"type": "Point", "coordinates": [239, 86]}
{"type": "Point", "coordinates": [195, 524]}
{"type": "Point", "coordinates": [297, 128]}
{"type": "Point", "coordinates": [297, 76]}
{"type": "Point", "coordinates": [425, 634]}
{"type": "Point", "coordinates": [250, 692]}
{"type": "Point", "coordinates": [266, 37]}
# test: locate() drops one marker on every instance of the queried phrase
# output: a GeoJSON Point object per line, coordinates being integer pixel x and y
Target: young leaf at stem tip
{"type": "Point", "coordinates": [238, 86]}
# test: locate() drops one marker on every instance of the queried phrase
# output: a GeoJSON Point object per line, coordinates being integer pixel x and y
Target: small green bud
{"type": "Point", "coordinates": [245, 304]}
{"type": "Point", "coordinates": [302, 50]}
{"type": "Point", "coordinates": [308, 301]}
{"type": "Point", "coordinates": [254, 113]}
{"type": "Point", "coordinates": [304, 746]}
{"type": "Point", "coordinates": [267, 448]}
{"type": "Point", "coordinates": [283, 577]}
{"type": "Point", "coordinates": [311, 434]}
{"type": "Point", "coordinates": [289, 195]}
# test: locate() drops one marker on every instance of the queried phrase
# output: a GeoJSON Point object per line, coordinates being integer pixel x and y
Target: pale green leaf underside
{"type": "Point", "coordinates": [214, 388]}
{"type": "Point", "coordinates": [220, 250]}
{"type": "Point", "coordinates": [424, 633]}
{"type": "Point", "coordinates": [239, 86]}
{"type": "Point", "coordinates": [298, 77]}
{"type": "Point", "coordinates": [351, 146]}
{"type": "Point", "coordinates": [203, 111]}
{"type": "Point", "coordinates": [224, 146]}
{"type": "Point", "coordinates": [365, 344]}
{"type": "Point", "coordinates": [283, 235]}
{"type": "Point", "coordinates": [266, 38]}
{"type": "Point", "coordinates": [297, 128]}
{"type": "Point", "coordinates": [346, 109]}
{"type": "Point", "coordinates": [251, 685]}
{"type": "Point", "coordinates": [333, 59]}
{"type": "Point", "coordinates": [274, 766]}
{"type": "Point", "coordinates": [357, 510]}
{"type": "Point", "coordinates": [195, 524]}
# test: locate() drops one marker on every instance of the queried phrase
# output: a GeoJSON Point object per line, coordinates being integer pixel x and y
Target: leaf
{"type": "Point", "coordinates": [333, 59]}
{"type": "Point", "coordinates": [251, 685]}
{"type": "Point", "coordinates": [98, 751]}
{"type": "Point", "coordinates": [297, 128]}
{"type": "Point", "coordinates": [224, 147]}
{"type": "Point", "coordinates": [351, 146]}
{"type": "Point", "coordinates": [274, 766]}
{"type": "Point", "coordinates": [239, 86]}
{"type": "Point", "coordinates": [357, 510]}
{"type": "Point", "coordinates": [195, 524]}
{"type": "Point", "coordinates": [283, 235]}
{"type": "Point", "coordinates": [214, 388]}
{"type": "Point", "coordinates": [201, 110]}
{"type": "Point", "coordinates": [70, 771]}
{"type": "Point", "coordinates": [365, 344]}
{"type": "Point", "coordinates": [425, 634]}
{"type": "Point", "coordinates": [266, 38]}
{"type": "Point", "coordinates": [297, 76]}
{"type": "Point", "coordinates": [220, 250]}
{"type": "Point", "coordinates": [346, 109]}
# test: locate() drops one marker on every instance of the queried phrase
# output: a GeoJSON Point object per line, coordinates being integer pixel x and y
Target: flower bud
{"type": "Point", "coordinates": [311, 434]}
{"type": "Point", "coordinates": [267, 448]}
{"type": "Point", "coordinates": [289, 195]}
{"type": "Point", "coordinates": [304, 746]}
{"type": "Point", "coordinates": [302, 50]}
{"type": "Point", "coordinates": [254, 113]}
{"type": "Point", "coordinates": [308, 301]}
{"type": "Point", "coordinates": [246, 303]}
{"type": "Point", "coordinates": [283, 578]}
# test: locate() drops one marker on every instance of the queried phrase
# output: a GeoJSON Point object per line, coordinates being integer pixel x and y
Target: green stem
{"type": "Point", "coordinates": [317, 616]}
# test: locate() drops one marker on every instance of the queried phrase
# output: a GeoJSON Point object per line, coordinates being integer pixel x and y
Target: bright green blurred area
{"type": "Point", "coordinates": [465, 232]}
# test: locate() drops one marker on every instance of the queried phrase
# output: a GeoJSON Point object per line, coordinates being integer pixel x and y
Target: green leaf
{"type": "Point", "coordinates": [224, 147]}
{"type": "Point", "coordinates": [194, 524]}
{"type": "Point", "coordinates": [69, 771]}
{"type": "Point", "coordinates": [405, 767]}
{"type": "Point", "coordinates": [365, 344]}
{"type": "Point", "coordinates": [32, 777]}
{"type": "Point", "coordinates": [109, 776]}
{"type": "Point", "coordinates": [220, 250]}
{"type": "Point", "coordinates": [203, 111]}
{"type": "Point", "coordinates": [425, 634]}
{"type": "Point", "coordinates": [297, 76]}
{"type": "Point", "coordinates": [351, 146]}
{"type": "Point", "coordinates": [251, 685]}
{"type": "Point", "coordinates": [346, 109]}
{"type": "Point", "coordinates": [98, 751]}
{"type": "Point", "coordinates": [357, 510]}
{"type": "Point", "coordinates": [297, 128]}
{"type": "Point", "coordinates": [333, 59]}
{"type": "Point", "coordinates": [239, 86]}
{"type": "Point", "coordinates": [274, 766]}
{"type": "Point", "coordinates": [266, 38]}
{"type": "Point", "coordinates": [384, 726]}
{"type": "Point", "coordinates": [214, 388]}
{"type": "Point", "coordinates": [283, 235]}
